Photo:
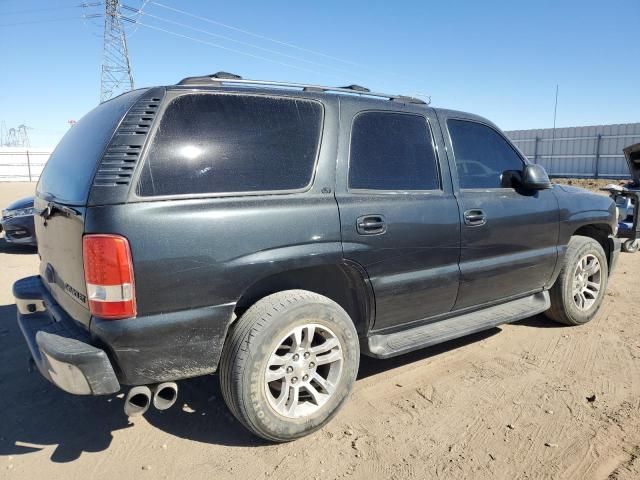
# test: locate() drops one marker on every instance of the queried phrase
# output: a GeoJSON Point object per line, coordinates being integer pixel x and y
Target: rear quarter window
{"type": "Point", "coordinates": [222, 143]}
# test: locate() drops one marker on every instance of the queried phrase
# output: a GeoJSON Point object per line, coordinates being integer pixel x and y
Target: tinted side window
{"type": "Point", "coordinates": [209, 143]}
{"type": "Point", "coordinates": [392, 151]}
{"type": "Point", "coordinates": [482, 155]}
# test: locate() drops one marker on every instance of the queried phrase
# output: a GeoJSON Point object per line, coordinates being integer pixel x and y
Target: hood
{"type": "Point", "coordinates": [25, 202]}
{"type": "Point", "coordinates": [571, 189]}
{"type": "Point", "coordinates": [632, 154]}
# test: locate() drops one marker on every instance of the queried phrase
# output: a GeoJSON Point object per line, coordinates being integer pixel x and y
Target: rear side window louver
{"type": "Point", "coordinates": [115, 172]}
{"type": "Point", "coordinates": [122, 155]}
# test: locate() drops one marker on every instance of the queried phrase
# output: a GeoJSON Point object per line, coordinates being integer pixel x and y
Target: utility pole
{"type": "Point", "coordinates": [116, 75]}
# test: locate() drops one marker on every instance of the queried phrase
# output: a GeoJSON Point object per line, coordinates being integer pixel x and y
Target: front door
{"type": "Point", "coordinates": [509, 236]}
{"type": "Point", "coordinates": [399, 217]}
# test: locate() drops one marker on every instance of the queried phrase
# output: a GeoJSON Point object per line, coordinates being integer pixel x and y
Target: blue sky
{"type": "Point", "coordinates": [500, 59]}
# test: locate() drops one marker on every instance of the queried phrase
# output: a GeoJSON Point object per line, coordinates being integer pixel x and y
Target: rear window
{"type": "Point", "coordinates": [218, 143]}
{"type": "Point", "coordinates": [68, 174]}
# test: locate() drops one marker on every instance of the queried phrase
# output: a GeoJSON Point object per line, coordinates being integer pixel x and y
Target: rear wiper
{"type": "Point", "coordinates": [53, 207]}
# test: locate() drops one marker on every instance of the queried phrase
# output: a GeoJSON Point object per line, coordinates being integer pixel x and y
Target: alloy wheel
{"type": "Point", "coordinates": [587, 282]}
{"type": "Point", "coordinates": [303, 371]}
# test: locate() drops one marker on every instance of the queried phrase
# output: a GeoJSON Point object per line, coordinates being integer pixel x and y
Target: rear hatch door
{"type": "Point", "coordinates": [61, 198]}
{"type": "Point", "coordinates": [632, 154]}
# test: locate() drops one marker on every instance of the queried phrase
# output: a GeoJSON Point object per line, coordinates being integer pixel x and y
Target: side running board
{"type": "Point", "coordinates": [389, 345]}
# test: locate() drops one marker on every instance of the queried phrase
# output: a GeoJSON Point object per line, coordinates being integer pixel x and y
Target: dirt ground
{"type": "Point", "coordinates": [527, 400]}
{"type": "Point", "coordinates": [590, 183]}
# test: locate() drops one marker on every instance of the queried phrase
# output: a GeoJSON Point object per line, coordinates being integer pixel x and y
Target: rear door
{"type": "Point", "coordinates": [61, 198]}
{"type": "Point", "coordinates": [399, 218]}
{"type": "Point", "coordinates": [509, 236]}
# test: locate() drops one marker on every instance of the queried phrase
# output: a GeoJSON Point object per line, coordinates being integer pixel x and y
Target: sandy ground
{"type": "Point", "coordinates": [590, 183]}
{"type": "Point", "coordinates": [509, 403]}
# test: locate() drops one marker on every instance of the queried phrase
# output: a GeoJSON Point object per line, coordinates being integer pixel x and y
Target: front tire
{"type": "Point", "coordinates": [630, 246]}
{"type": "Point", "coordinates": [288, 364]}
{"type": "Point", "coordinates": [577, 294]}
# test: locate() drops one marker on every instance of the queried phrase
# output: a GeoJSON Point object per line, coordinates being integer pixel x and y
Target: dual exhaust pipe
{"type": "Point", "coordinates": [139, 399]}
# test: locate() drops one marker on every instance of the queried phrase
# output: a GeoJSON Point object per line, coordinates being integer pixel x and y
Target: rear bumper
{"type": "Point", "coordinates": [61, 349]}
{"type": "Point", "coordinates": [140, 351]}
{"type": "Point", "coordinates": [165, 347]}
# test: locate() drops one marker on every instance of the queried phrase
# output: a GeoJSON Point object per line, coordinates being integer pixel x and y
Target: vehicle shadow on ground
{"type": "Point", "coordinates": [539, 321]}
{"type": "Point", "coordinates": [6, 247]}
{"type": "Point", "coordinates": [35, 414]}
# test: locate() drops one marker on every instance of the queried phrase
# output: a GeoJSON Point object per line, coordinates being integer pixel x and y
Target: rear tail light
{"type": "Point", "coordinates": [108, 272]}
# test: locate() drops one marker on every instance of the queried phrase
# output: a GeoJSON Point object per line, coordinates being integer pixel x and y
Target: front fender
{"type": "Point", "coordinates": [579, 208]}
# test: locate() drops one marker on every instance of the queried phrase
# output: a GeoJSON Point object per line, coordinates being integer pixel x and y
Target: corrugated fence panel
{"type": "Point", "coordinates": [592, 151]}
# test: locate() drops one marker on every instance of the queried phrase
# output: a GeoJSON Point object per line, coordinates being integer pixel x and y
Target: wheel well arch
{"type": "Point", "coordinates": [346, 284]}
{"type": "Point", "coordinates": [600, 233]}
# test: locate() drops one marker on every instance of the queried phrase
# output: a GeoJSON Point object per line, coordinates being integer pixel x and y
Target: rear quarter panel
{"type": "Point", "coordinates": [208, 250]}
{"type": "Point", "coordinates": [201, 252]}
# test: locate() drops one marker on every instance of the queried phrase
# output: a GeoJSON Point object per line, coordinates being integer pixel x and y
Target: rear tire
{"type": "Point", "coordinates": [577, 294]}
{"type": "Point", "coordinates": [288, 364]}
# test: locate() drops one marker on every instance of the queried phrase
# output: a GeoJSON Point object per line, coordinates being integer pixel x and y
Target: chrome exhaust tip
{"type": "Point", "coordinates": [165, 395]}
{"type": "Point", "coordinates": [137, 401]}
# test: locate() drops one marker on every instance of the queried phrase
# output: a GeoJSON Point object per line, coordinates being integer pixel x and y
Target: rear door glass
{"type": "Point", "coordinates": [221, 143]}
{"type": "Point", "coordinates": [392, 151]}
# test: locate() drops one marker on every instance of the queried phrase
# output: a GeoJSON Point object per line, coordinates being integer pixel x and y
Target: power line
{"type": "Point", "coordinates": [230, 39]}
{"type": "Point", "coordinates": [290, 45]}
{"type": "Point", "coordinates": [48, 9]}
{"type": "Point", "coordinates": [257, 35]}
{"type": "Point", "coordinates": [241, 52]}
{"type": "Point", "coordinates": [139, 12]}
{"type": "Point", "coordinates": [48, 20]}
{"type": "Point", "coordinates": [233, 50]}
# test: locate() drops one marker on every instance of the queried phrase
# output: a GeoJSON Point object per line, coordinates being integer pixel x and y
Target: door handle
{"type": "Point", "coordinates": [475, 217]}
{"type": "Point", "coordinates": [371, 225]}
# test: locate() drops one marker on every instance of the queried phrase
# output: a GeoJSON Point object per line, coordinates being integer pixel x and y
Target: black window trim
{"type": "Point", "coordinates": [170, 97]}
{"type": "Point", "coordinates": [370, 191]}
{"type": "Point", "coordinates": [522, 158]}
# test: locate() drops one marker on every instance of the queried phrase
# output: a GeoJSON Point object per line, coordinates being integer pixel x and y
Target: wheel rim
{"type": "Point", "coordinates": [303, 371]}
{"type": "Point", "coordinates": [587, 282]}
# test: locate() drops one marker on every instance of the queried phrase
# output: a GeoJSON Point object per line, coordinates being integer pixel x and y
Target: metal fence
{"type": "Point", "coordinates": [588, 152]}
{"type": "Point", "coordinates": [22, 165]}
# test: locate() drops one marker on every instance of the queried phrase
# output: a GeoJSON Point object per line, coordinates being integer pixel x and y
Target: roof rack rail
{"type": "Point", "coordinates": [357, 88]}
{"type": "Point", "coordinates": [225, 78]}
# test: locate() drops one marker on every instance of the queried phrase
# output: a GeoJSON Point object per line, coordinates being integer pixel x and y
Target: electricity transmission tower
{"type": "Point", "coordinates": [116, 75]}
{"type": "Point", "coordinates": [15, 137]}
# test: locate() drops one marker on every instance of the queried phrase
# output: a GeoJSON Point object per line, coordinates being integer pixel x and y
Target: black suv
{"type": "Point", "coordinates": [273, 232]}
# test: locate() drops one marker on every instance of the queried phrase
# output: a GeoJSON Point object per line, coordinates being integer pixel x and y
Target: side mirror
{"type": "Point", "coordinates": [534, 177]}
